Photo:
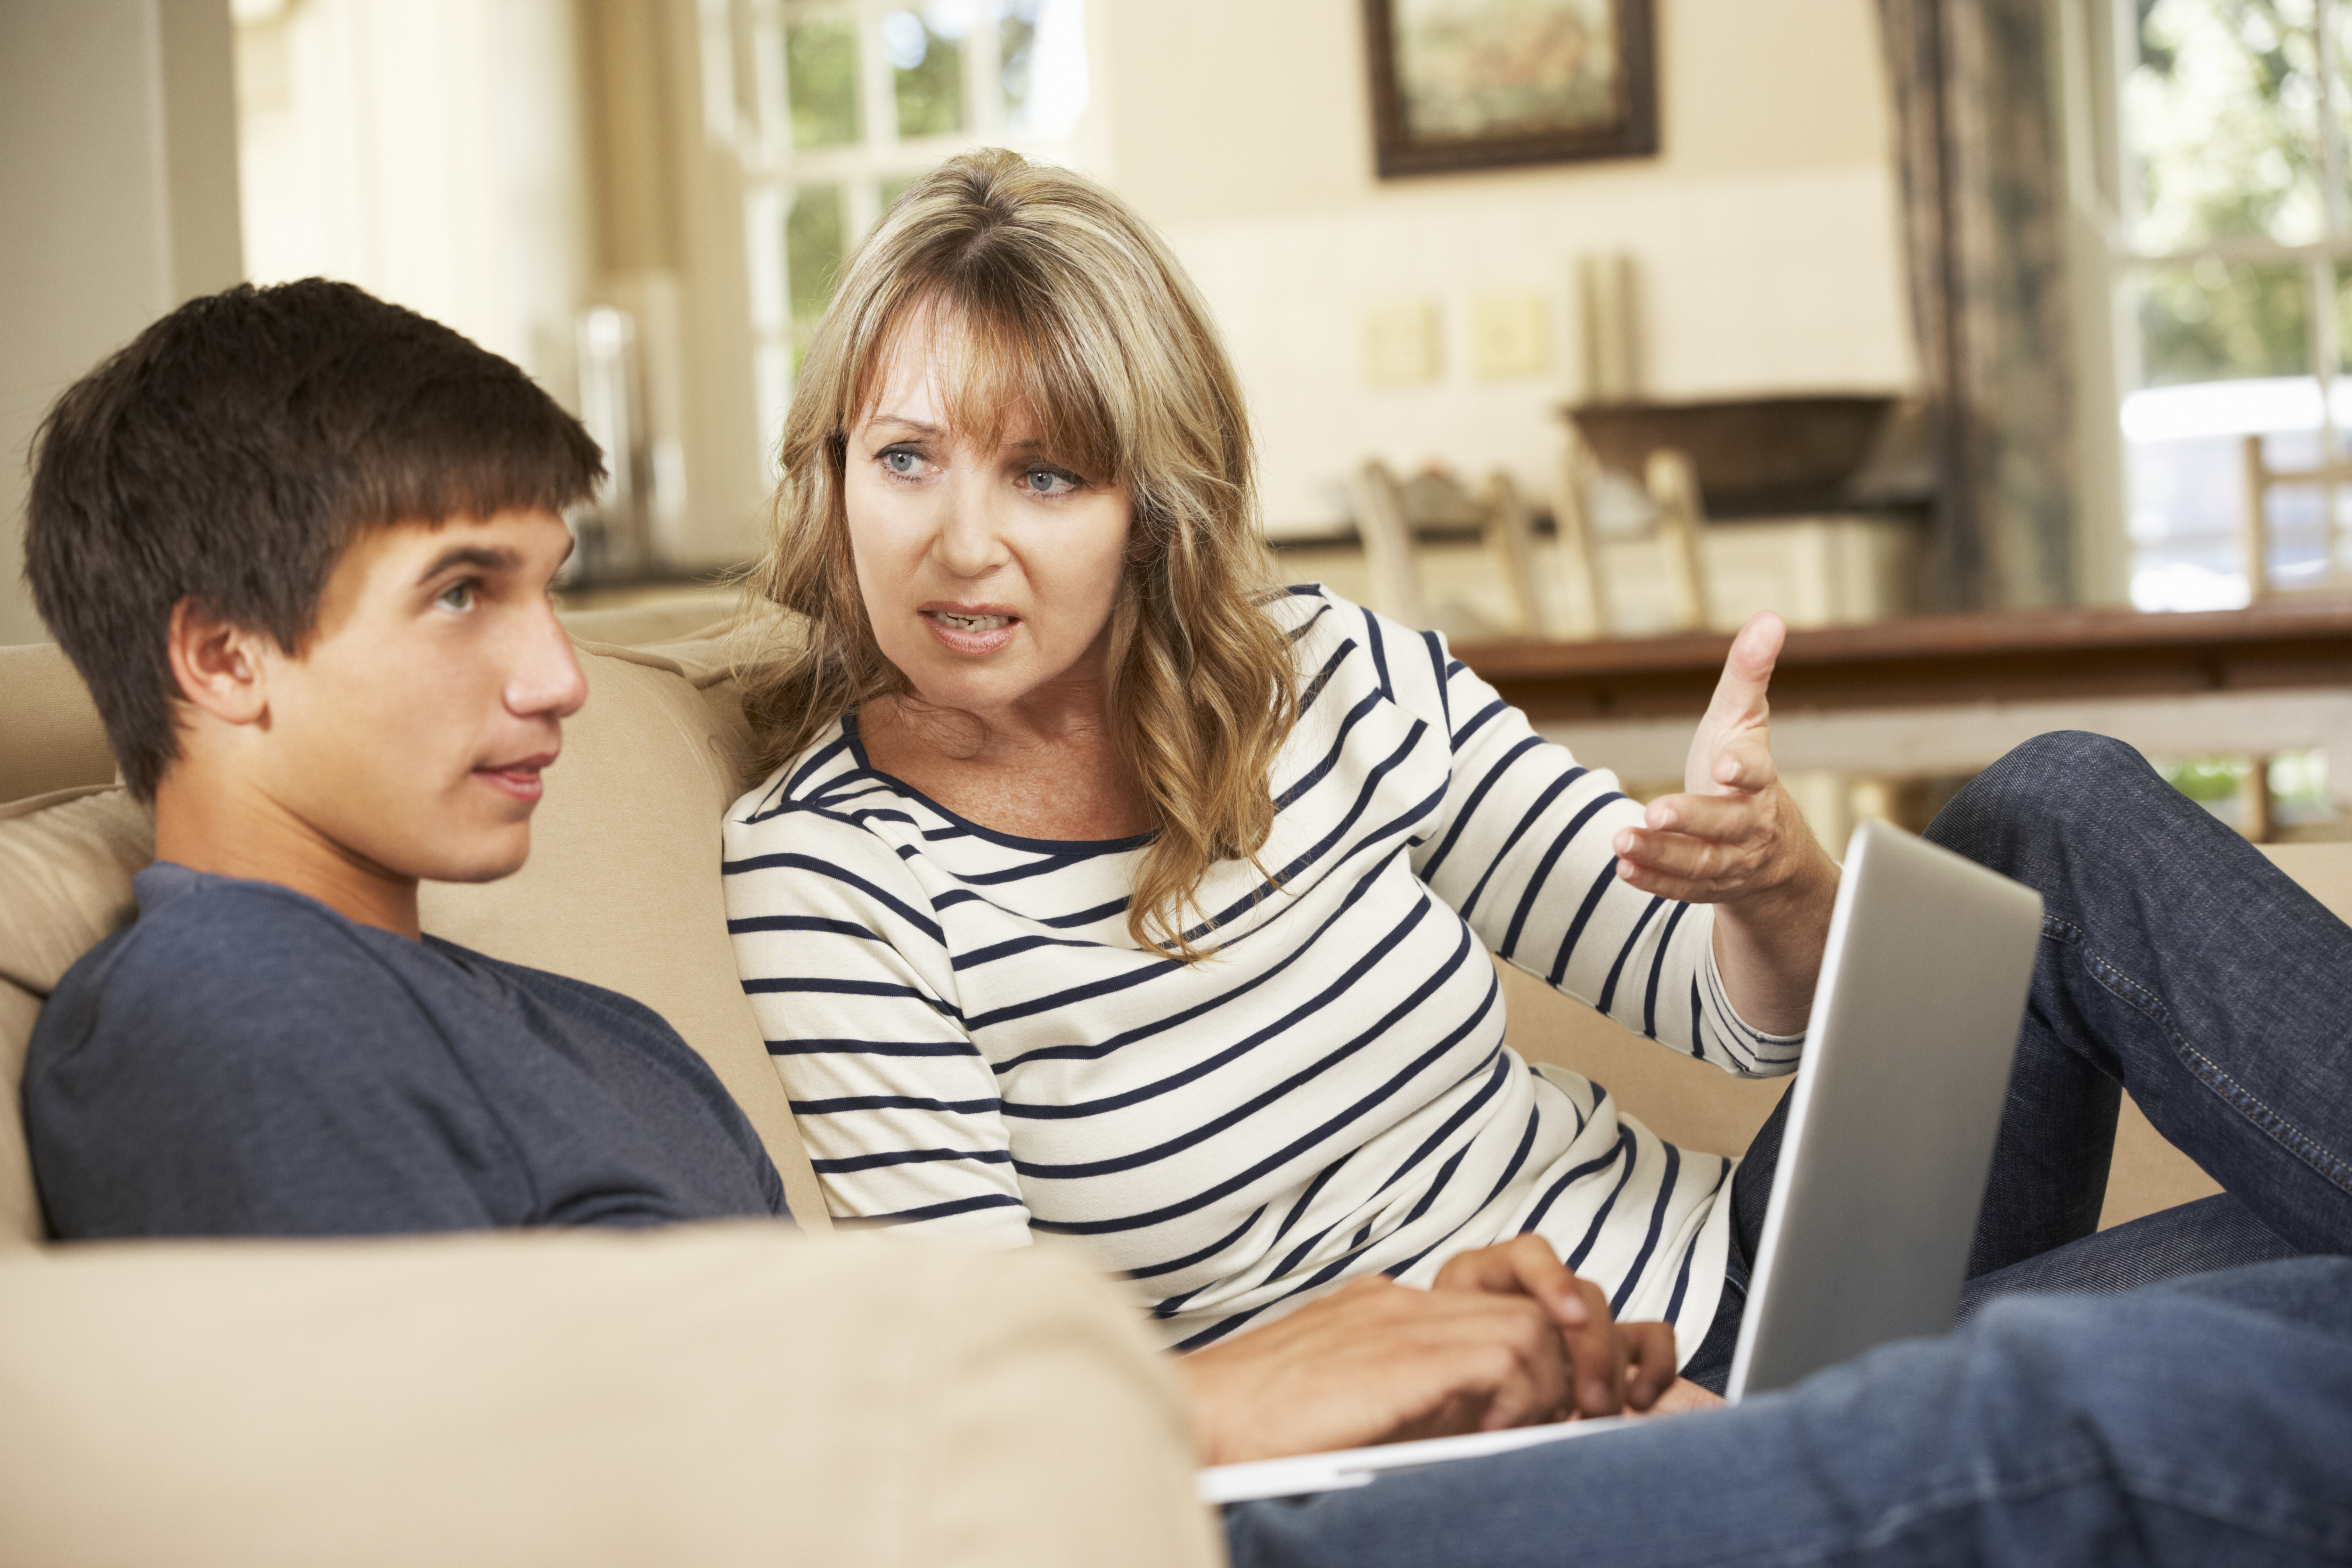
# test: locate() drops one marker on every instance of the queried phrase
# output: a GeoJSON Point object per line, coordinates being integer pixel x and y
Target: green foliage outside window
{"type": "Point", "coordinates": [2215, 321]}
{"type": "Point", "coordinates": [815, 242]}
{"type": "Point", "coordinates": [927, 69]}
{"type": "Point", "coordinates": [2298, 782]}
{"type": "Point", "coordinates": [2223, 114]}
{"type": "Point", "coordinates": [2206, 779]}
{"type": "Point", "coordinates": [820, 78]}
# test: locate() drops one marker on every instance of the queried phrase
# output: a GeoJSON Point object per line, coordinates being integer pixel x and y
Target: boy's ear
{"type": "Point", "coordinates": [218, 665]}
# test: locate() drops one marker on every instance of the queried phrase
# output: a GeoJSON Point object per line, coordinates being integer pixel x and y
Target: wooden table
{"type": "Point", "coordinates": [1933, 660]}
{"type": "Point", "coordinates": [1940, 696]}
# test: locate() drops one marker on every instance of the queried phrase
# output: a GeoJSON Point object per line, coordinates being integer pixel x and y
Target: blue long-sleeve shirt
{"type": "Point", "coordinates": [242, 1060]}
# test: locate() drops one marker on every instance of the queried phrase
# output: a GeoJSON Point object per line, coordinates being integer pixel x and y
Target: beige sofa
{"type": "Point", "coordinates": [715, 1394]}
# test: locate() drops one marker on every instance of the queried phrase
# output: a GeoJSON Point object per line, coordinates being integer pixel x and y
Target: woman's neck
{"type": "Point", "coordinates": [1048, 767]}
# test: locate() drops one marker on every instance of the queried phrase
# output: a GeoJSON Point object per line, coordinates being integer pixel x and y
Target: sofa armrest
{"type": "Point", "coordinates": [711, 1395]}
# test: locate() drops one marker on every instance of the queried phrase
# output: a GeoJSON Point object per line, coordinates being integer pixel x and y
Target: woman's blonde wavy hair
{"type": "Point", "coordinates": [1069, 306]}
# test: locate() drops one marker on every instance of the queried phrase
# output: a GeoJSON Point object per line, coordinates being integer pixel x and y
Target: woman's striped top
{"type": "Point", "coordinates": [975, 1048]}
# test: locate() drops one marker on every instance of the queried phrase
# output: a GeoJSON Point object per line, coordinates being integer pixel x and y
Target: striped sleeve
{"type": "Point", "coordinates": [1520, 847]}
{"type": "Point", "coordinates": [850, 978]}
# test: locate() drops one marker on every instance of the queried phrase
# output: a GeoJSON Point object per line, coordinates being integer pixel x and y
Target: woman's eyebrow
{"type": "Point", "coordinates": [903, 423]}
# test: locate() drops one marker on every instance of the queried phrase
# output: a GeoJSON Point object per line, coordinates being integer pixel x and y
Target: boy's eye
{"type": "Point", "coordinates": [457, 596]}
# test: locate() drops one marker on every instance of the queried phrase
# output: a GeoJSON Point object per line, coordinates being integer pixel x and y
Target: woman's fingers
{"type": "Point", "coordinates": [1728, 818]}
{"type": "Point", "coordinates": [1598, 1353]}
{"type": "Point", "coordinates": [1651, 1357]}
{"type": "Point", "coordinates": [1613, 1365]}
{"type": "Point", "coordinates": [1747, 669]}
{"type": "Point", "coordinates": [1743, 763]}
{"type": "Point", "coordinates": [1526, 1265]}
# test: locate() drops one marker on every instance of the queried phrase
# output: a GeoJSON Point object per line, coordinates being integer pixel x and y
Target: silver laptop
{"type": "Point", "coordinates": [1882, 1165]}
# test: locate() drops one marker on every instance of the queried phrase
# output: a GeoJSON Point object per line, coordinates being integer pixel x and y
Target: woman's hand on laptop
{"type": "Point", "coordinates": [1616, 1364]}
{"type": "Point", "coordinates": [1375, 1362]}
{"type": "Point", "coordinates": [1508, 1337]}
{"type": "Point", "coordinates": [1735, 838]}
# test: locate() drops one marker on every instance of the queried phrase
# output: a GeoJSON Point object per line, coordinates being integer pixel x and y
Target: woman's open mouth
{"type": "Point", "coordinates": [971, 631]}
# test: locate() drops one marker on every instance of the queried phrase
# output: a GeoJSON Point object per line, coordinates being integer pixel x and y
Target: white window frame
{"type": "Point", "coordinates": [748, 106]}
{"type": "Point", "coordinates": [2097, 45]}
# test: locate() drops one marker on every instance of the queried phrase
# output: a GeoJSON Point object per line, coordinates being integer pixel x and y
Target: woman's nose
{"type": "Point", "coordinates": [971, 540]}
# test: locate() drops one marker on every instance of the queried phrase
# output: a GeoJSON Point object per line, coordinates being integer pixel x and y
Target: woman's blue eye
{"type": "Point", "coordinates": [457, 596]}
{"type": "Point", "coordinates": [900, 463]}
{"type": "Point", "coordinates": [1049, 482]}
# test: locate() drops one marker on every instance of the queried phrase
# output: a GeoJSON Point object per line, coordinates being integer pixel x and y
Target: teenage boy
{"type": "Point", "coordinates": [299, 544]}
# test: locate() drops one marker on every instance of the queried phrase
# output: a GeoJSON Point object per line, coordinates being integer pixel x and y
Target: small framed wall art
{"type": "Point", "coordinates": [1485, 84]}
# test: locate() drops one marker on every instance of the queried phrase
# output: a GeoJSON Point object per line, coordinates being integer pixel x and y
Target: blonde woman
{"type": "Point", "coordinates": [1095, 889]}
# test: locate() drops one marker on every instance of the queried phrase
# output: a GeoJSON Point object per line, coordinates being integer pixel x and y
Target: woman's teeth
{"type": "Point", "coordinates": [974, 623]}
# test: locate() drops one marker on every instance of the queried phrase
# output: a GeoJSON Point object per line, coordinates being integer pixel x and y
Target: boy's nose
{"type": "Point", "coordinates": [547, 681]}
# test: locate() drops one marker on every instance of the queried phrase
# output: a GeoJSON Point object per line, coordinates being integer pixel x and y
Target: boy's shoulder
{"type": "Point", "coordinates": [230, 965]}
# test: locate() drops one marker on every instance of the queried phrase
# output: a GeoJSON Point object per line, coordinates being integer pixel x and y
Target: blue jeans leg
{"type": "Point", "coordinates": [2206, 1422]}
{"type": "Point", "coordinates": [2178, 961]}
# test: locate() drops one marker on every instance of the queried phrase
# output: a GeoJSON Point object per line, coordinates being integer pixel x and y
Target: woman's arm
{"type": "Point", "coordinates": [1522, 846]}
{"type": "Point", "coordinates": [1734, 840]}
{"type": "Point", "coordinates": [843, 963]}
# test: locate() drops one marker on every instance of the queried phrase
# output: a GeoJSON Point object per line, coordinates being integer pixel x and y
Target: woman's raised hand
{"type": "Point", "coordinates": [1733, 835]}
{"type": "Point", "coordinates": [1735, 838]}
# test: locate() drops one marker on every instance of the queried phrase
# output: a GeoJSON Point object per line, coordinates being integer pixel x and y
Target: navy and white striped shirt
{"type": "Point", "coordinates": [976, 1047]}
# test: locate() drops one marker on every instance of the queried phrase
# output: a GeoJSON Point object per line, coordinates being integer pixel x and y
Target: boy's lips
{"type": "Point", "coordinates": [519, 778]}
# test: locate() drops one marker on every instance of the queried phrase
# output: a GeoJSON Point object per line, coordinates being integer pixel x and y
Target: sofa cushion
{"type": "Point", "coordinates": [66, 863]}
{"type": "Point", "coordinates": [708, 1394]}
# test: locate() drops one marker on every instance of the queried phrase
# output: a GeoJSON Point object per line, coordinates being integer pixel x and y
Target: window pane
{"type": "Point", "coordinates": [926, 50]}
{"type": "Point", "coordinates": [1042, 49]}
{"type": "Point", "coordinates": [2222, 114]}
{"type": "Point", "coordinates": [821, 77]}
{"type": "Point", "coordinates": [813, 248]}
{"type": "Point", "coordinates": [2215, 321]}
{"type": "Point", "coordinates": [2225, 360]}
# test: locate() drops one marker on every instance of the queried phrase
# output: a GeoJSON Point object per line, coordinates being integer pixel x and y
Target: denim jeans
{"type": "Point", "coordinates": [2177, 961]}
{"type": "Point", "coordinates": [2206, 1422]}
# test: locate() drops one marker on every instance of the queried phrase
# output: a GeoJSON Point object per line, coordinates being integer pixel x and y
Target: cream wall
{"type": "Point", "coordinates": [503, 164]}
{"type": "Point", "coordinates": [430, 151]}
{"type": "Point", "coordinates": [118, 179]}
{"type": "Point", "coordinates": [1764, 233]}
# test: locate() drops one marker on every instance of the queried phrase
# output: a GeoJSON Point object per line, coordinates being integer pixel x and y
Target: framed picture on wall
{"type": "Point", "coordinates": [1484, 84]}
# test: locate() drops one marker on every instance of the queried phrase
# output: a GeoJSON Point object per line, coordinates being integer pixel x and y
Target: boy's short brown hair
{"type": "Point", "coordinates": [232, 454]}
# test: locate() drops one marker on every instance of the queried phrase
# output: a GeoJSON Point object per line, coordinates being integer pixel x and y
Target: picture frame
{"type": "Point", "coordinates": [1491, 84]}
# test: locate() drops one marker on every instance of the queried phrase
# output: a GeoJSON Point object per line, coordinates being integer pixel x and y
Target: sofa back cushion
{"type": "Point", "coordinates": [621, 890]}
{"type": "Point", "coordinates": [66, 863]}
